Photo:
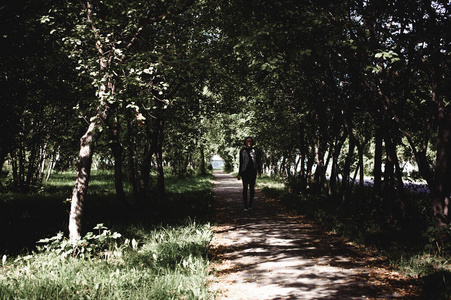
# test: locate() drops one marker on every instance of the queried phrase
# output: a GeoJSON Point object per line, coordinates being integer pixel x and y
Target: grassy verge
{"type": "Point", "coordinates": [397, 227]}
{"type": "Point", "coordinates": [158, 253]}
{"type": "Point", "coordinates": [165, 263]}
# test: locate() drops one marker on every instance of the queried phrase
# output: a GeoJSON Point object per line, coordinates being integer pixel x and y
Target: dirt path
{"type": "Point", "coordinates": [269, 254]}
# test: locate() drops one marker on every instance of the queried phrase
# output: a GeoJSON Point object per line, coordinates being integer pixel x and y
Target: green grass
{"type": "Point", "coordinates": [165, 263]}
{"type": "Point", "coordinates": [161, 252]}
{"type": "Point", "coordinates": [269, 183]}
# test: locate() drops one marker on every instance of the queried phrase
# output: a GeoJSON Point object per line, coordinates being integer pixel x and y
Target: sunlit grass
{"type": "Point", "coordinates": [268, 182]}
{"type": "Point", "coordinates": [421, 264]}
{"type": "Point", "coordinates": [166, 263]}
{"type": "Point", "coordinates": [168, 260]}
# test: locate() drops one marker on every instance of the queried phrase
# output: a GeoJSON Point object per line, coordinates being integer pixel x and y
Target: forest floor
{"type": "Point", "coordinates": [269, 253]}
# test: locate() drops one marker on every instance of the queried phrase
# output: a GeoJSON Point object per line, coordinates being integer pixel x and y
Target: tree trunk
{"type": "Point", "coordinates": [320, 173]}
{"type": "Point", "coordinates": [81, 182]}
{"type": "Point", "coordinates": [441, 190]}
{"type": "Point", "coordinates": [203, 170]}
{"type": "Point", "coordinates": [160, 188]}
{"type": "Point", "coordinates": [144, 177]}
{"type": "Point", "coordinates": [14, 167]}
{"type": "Point", "coordinates": [310, 162]}
{"type": "Point", "coordinates": [442, 176]}
{"type": "Point", "coordinates": [21, 160]}
{"type": "Point", "coordinates": [334, 170]}
{"type": "Point", "coordinates": [360, 165]}
{"type": "Point", "coordinates": [52, 164]}
{"type": "Point", "coordinates": [274, 168]}
{"type": "Point", "coordinates": [116, 148]}
{"type": "Point", "coordinates": [2, 161]}
{"type": "Point", "coordinates": [378, 161]}
{"type": "Point", "coordinates": [347, 166]}
{"type": "Point", "coordinates": [41, 164]}
{"type": "Point", "coordinates": [302, 170]}
{"type": "Point", "coordinates": [132, 162]}
{"type": "Point", "coordinates": [31, 165]}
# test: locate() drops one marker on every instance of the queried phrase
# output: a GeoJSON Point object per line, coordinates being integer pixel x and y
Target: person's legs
{"type": "Point", "coordinates": [245, 185]}
{"type": "Point", "coordinates": [251, 191]}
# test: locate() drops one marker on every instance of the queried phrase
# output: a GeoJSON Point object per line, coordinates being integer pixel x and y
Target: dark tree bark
{"type": "Point", "coordinates": [441, 190]}
{"type": "Point", "coordinates": [144, 178]}
{"type": "Point", "coordinates": [310, 163]}
{"type": "Point", "coordinates": [334, 170]}
{"type": "Point", "coordinates": [203, 170]}
{"type": "Point", "coordinates": [21, 161]}
{"type": "Point", "coordinates": [15, 168]}
{"type": "Point", "coordinates": [320, 172]}
{"type": "Point", "coordinates": [160, 188]}
{"type": "Point", "coordinates": [347, 166]}
{"type": "Point", "coordinates": [117, 150]}
{"type": "Point", "coordinates": [377, 172]}
{"type": "Point", "coordinates": [81, 182]}
{"type": "Point", "coordinates": [131, 154]}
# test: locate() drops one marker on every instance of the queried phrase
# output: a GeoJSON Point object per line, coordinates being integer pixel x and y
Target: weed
{"type": "Point", "coordinates": [90, 246]}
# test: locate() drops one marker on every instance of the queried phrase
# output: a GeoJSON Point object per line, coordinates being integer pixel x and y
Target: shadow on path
{"type": "Point", "coordinates": [267, 253]}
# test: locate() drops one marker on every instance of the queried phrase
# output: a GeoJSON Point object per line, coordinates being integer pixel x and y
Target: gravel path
{"type": "Point", "coordinates": [267, 253]}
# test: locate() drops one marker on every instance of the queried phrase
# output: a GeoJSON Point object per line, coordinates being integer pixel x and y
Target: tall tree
{"type": "Point", "coordinates": [101, 38]}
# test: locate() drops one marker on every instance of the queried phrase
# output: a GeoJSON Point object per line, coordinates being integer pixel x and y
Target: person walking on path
{"type": "Point", "coordinates": [249, 167]}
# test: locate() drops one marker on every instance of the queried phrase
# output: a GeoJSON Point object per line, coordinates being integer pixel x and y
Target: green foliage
{"type": "Point", "coordinates": [89, 246]}
{"type": "Point", "coordinates": [439, 239]}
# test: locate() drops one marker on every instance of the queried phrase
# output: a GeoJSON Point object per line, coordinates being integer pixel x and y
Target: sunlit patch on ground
{"type": "Point", "coordinates": [267, 253]}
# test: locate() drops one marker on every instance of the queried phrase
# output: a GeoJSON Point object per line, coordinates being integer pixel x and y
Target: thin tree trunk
{"type": "Point", "coordinates": [2, 161]}
{"type": "Point", "coordinates": [302, 170]}
{"type": "Point", "coordinates": [81, 183]}
{"type": "Point", "coordinates": [390, 163]}
{"type": "Point", "coordinates": [14, 167]}
{"type": "Point", "coordinates": [378, 161]}
{"type": "Point", "coordinates": [21, 161]}
{"type": "Point", "coordinates": [360, 165]}
{"type": "Point", "coordinates": [132, 161]}
{"type": "Point", "coordinates": [31, 165]}
{"type": "Point", "coordinates": [54, 159]}
{"type": "Point", "coordinates": [116, 148]}
{"type": "Point", "coordinates": [160, 188]}
{"type": "Point", "coordinates": [347, 166]}
{"type": "Point", "coordinates": [310, 162]}
{"type": "Point", "coordinates": [334, 170]}
{"type": "Point", "coordinates": [320, 173]}
{"type": "Point", "coordinates": [43, 156]}
{"type": "Point", "coordinates": [144, 178]}
{"type": "Point", "coordinates": [203, 170]}
{"type": "Point", "coordinates": [275, 169]}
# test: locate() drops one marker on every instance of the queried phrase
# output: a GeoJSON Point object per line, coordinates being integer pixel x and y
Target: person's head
{"type": "Point", "coordinates": [249, 142]}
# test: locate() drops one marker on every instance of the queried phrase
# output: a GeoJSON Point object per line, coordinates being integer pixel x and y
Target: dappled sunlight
{"type": "Point", "coordinates": [269, 254]}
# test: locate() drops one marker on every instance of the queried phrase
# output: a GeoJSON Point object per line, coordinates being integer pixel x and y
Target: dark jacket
{"type": "Point", "coordinates": [255, 157]}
